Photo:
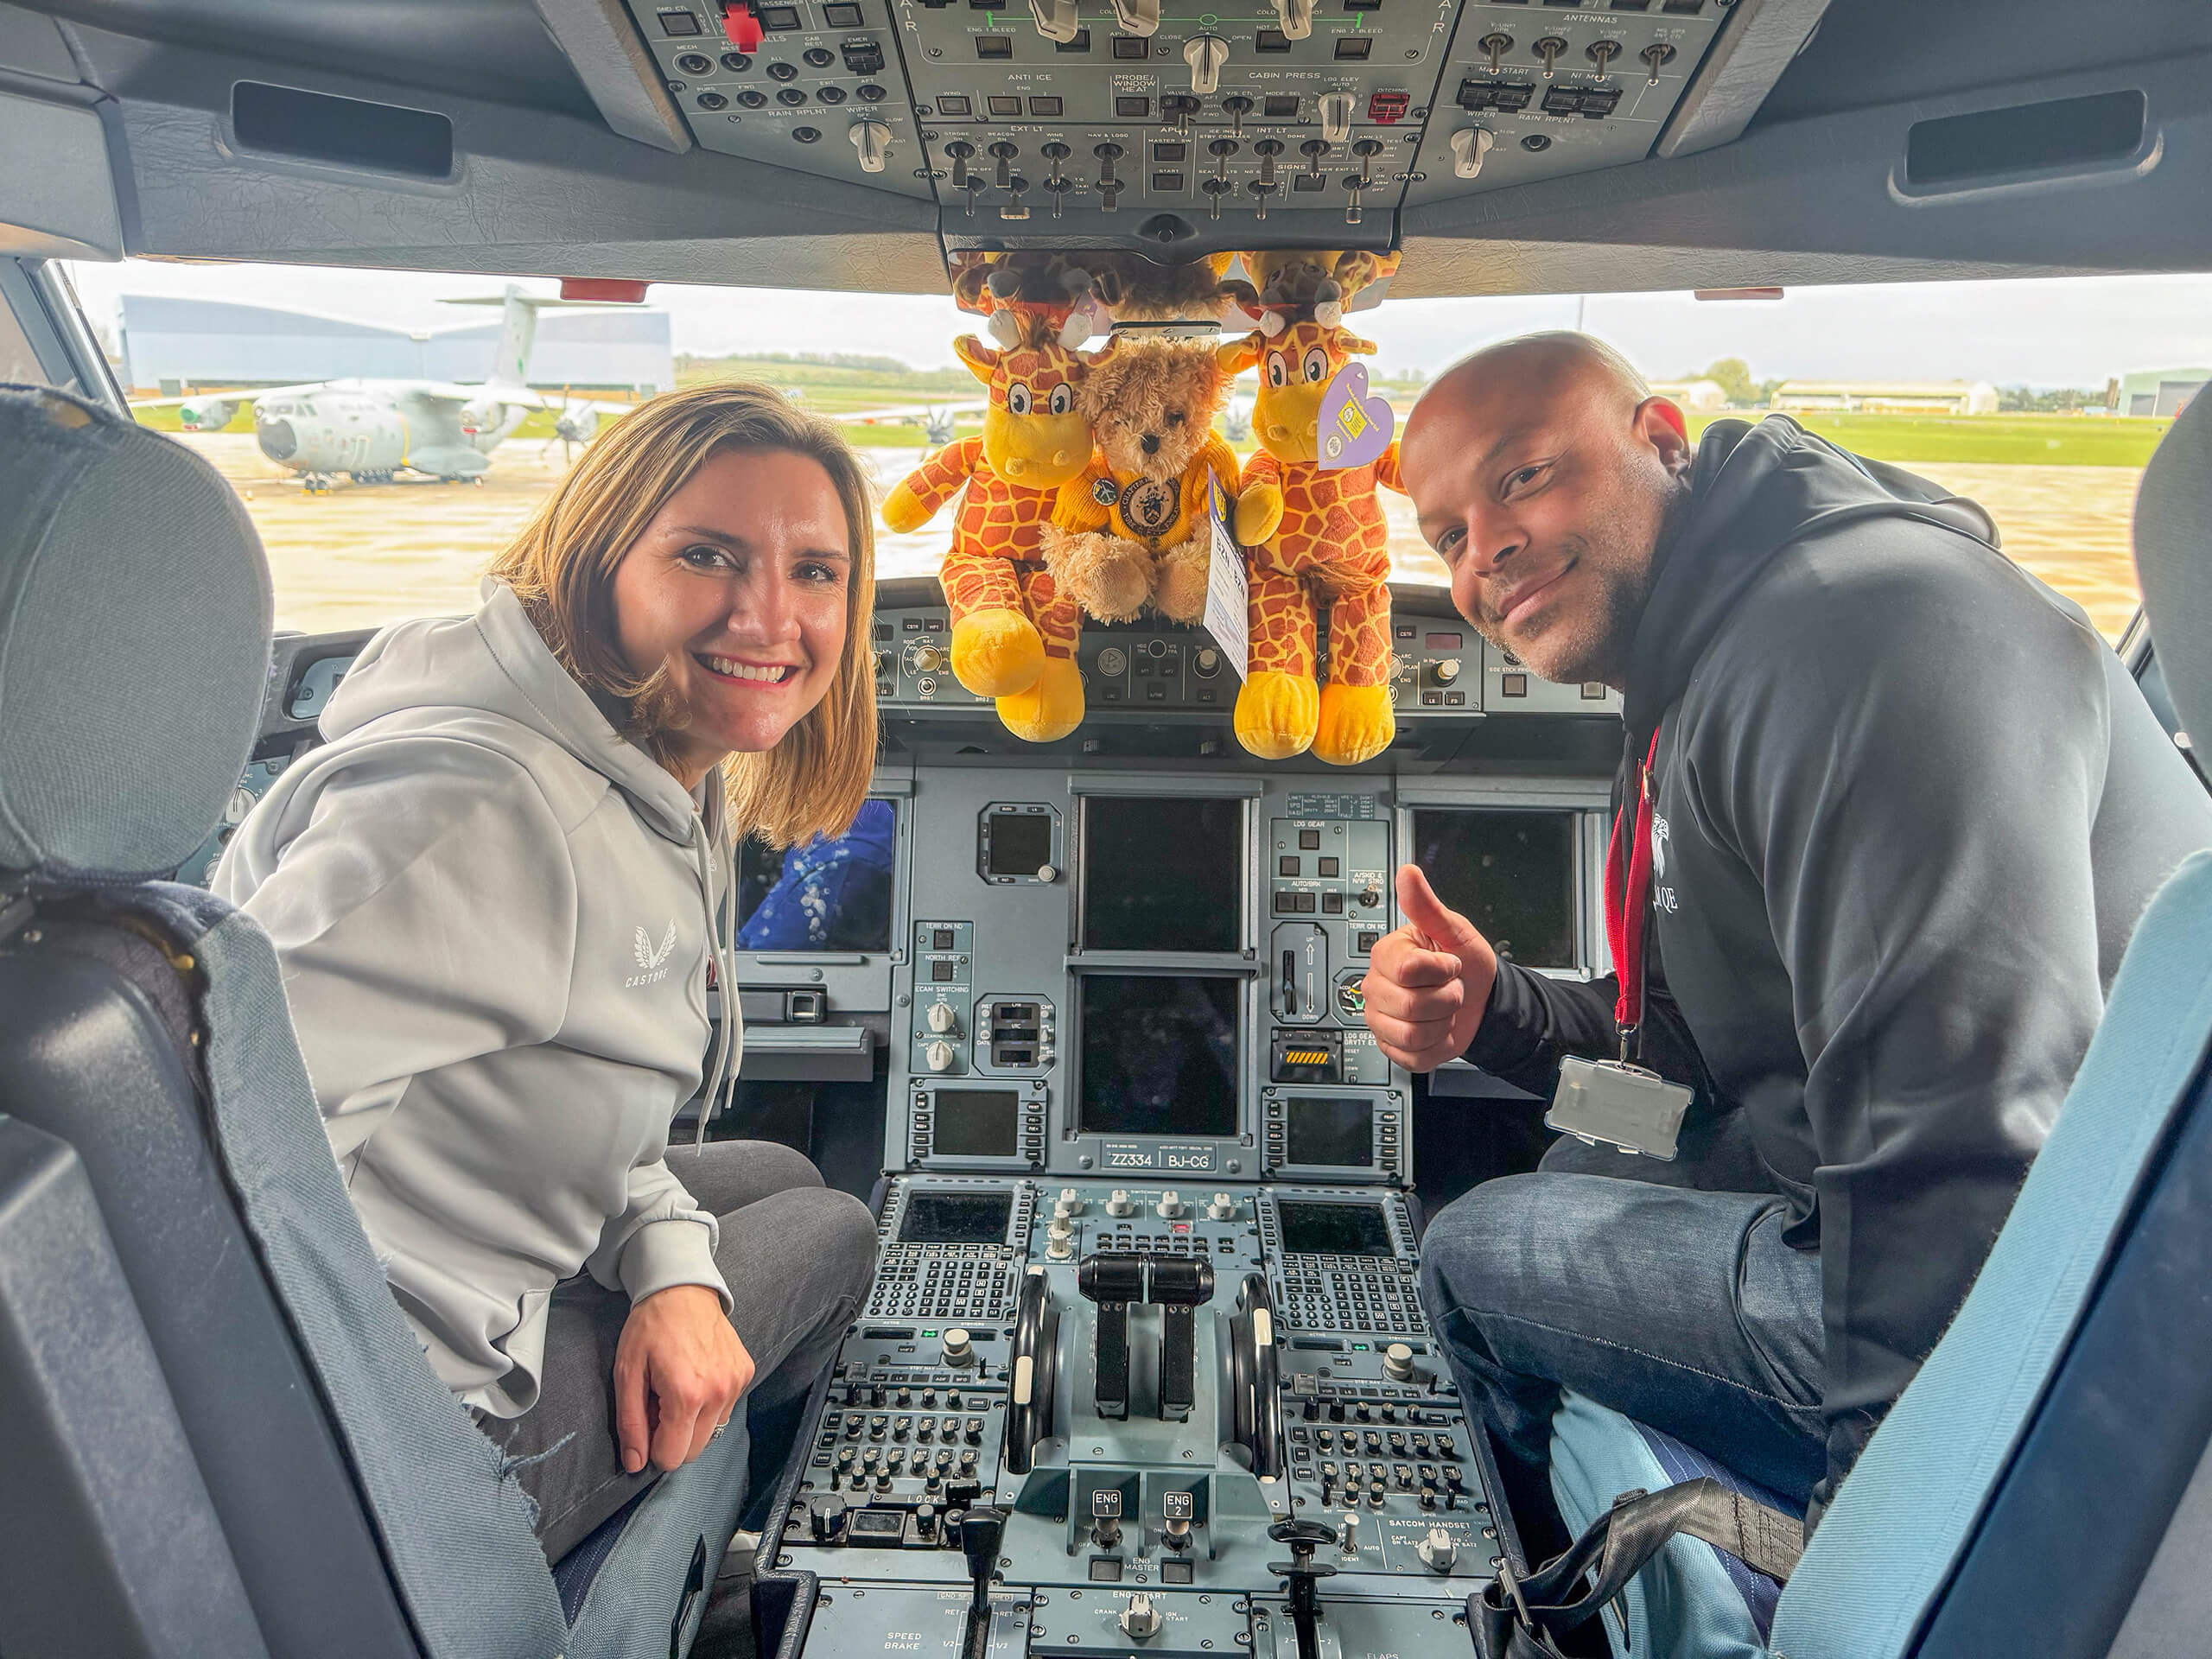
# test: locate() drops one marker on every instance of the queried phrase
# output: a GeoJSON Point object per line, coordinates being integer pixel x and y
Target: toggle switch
{"type": "Point", "coordinates": [872, 139]}
{"type": "Point", "coordinates": [1548, 49]}
{"type": "Point", "coordinates": [1602, 52]}
{"type": "Point", "coordinates": [1351, 207]}
{"type": "Point", "coordinates": [1313, 150]}
{"type": "Point", "coordinates": [1468, 146]}
{"type": "Point", "coordinates": [1003, 153]}
{"type": "Point", "coordinates": [1137, 17]}
{"type": "Point", "coordinates": [1656, 56]}
{"type": "Point", "coordinates": [1296, 17]}
{"type": "Point", "coordinates": [1205, 53]}
{"type": "Point", "coordinates": [1336, 117]}
{"type": "Point", "coordinates": [1056, 19]}
{"type": "Point", "coordinates": [1497, 43]}
{"type": "Point", "coordinates": [926, 658]}
{"type": "Point", "coordinates": [1109, 190]}
{"type": "Point", "coordinates": [1013, 208]}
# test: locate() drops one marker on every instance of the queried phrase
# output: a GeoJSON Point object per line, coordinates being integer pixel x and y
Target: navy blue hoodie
{"type": "Point", "coordinates": [1908, 806]}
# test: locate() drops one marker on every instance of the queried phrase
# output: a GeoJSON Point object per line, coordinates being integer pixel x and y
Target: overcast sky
{"type": "Point", "coordinates": [2051, 333]}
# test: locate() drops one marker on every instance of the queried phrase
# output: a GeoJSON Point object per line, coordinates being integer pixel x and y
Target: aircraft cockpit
{"type": "Point", "coordinates": [1154, 1357]}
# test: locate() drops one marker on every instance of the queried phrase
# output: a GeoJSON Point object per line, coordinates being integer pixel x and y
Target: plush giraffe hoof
{"type": "Point", "coordinates": [1276, 715]}
{"type": "Point", "coordinates": [1356, 724]}
{"type": "Point", "coordinates": [1180, 590]}
{"type": "Point", "coordinates": [996, 653]}
{"type": "Point", "coordinates": [1050, 708]}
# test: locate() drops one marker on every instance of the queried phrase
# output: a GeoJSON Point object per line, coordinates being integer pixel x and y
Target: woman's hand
{"type": "Point", "coordinates": [678, 1371]}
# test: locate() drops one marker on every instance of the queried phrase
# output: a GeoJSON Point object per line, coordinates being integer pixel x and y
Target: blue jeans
{"type": "Point", "coordinates": [1682, 1309]}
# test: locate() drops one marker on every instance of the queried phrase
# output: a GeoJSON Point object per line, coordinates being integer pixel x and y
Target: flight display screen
{"type": "Point", "coordinates": [956, 1217]}
{"type": "Point", "coordinates": [1159, 1054]}
{"type": "Point", "coordinates": [1337, 1132]}
{"type": "Point", "coordinates": [1510, 872]}
{"type": "Point", "coordinates": [1162, 874]}
{"type": "Point", "coordinates": [1334, 1229]}
{"type": "Point", "coordinates": [830, 893]}
{"type": "Point", "coordinates": [1020, 844]}
{"type": "Point", "coordinates": [976, 1122]}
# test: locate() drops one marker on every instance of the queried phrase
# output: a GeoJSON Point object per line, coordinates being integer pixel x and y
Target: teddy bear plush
{"type": "Point", "coordinates": [1134, 527]}
{"type": "Point", "coordinates": [1013, 630]}
{"type": "Point", "coordinates": [1331, 548]}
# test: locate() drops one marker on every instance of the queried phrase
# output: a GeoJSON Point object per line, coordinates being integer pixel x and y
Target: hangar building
{"type": "Point", "coordinates": [178, 344]}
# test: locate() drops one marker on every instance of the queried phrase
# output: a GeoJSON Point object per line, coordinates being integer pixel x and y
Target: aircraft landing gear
{"type": "Point", "coordinates": [315, 483]}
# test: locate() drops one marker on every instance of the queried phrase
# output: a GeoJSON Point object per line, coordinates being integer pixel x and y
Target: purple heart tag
{"type": "Point", "coordinates": [1355, 428]}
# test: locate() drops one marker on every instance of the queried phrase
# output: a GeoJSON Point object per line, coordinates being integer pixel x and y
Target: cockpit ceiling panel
{"type": "Point", "coordinates": [1276, 119]}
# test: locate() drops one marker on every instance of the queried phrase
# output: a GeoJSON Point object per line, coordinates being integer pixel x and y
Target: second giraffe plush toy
{"type": "Point", "coordinates": [1331, 548]}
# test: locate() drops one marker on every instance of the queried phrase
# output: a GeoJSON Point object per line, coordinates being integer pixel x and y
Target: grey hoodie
{"type": "Point", "coordinates": [494, 915]}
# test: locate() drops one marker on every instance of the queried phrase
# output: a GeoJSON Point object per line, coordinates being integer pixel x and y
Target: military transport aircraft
{"type": "Point", "coordinates": [371, 429]}
{"type": "Point", "coordinates": [1146, 1367]}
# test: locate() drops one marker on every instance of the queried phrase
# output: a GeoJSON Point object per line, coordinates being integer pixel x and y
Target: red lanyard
{"type": "Point", "coordinates": [1627, 898]}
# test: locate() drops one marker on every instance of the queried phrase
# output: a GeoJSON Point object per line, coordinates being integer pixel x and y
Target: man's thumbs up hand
{"type": "Point", "coordinates": [1428, 982]}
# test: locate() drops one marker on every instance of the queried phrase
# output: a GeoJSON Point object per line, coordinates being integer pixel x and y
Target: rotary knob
{"type": "Point", "coordinates": [1119, 1204]}
{"type": "Point", "coordinates": [1398, 1362]}
{"type": "Point", "coordinates": [1469, 145]}
{"type": "Point", "coordinates": [1140, 1618]}
{"type": "Point", "coordinates": [1059, 1232]}
{"type": "Point", "coordinates": [871, 140]}
{"type": "Point", "coordinates": [937, 1056]}
{"type": "Point", "coordinates": [1296, 17]}
{"type": "Point", "coordinates": [941, 1018]}
{"type": "Point", "coordinates": [1070, 1202]}
{"type": "Point", "coordinates": [1223, 1208]}
{"type": "Point", "coordinates": [1205, 53]}
{"type": "Point", "coordinates": [1438, 1551]}
{"type": "Point", "coordinates": [1170, 1207]}
{"type": "Point", "coordinates": [1448, 670]}
{"type": "Point", "coordinates": [928, 659]}
{"type": "Point", "coordinates": [956, 1346]}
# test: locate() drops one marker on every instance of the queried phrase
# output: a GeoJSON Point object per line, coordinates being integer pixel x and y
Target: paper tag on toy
{"type": "Point", "coordinates": [1088, 320]}
{"type": "Point", "coordinates": [1355, 428]}
{"type": "Point", "coordinates": [1228, 594]}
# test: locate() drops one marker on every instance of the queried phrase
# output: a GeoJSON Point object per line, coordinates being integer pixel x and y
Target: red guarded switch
{"type": "Point", "coordinates": [742, 24]}
{"type": "Point", "coordinates": [1384, 108]}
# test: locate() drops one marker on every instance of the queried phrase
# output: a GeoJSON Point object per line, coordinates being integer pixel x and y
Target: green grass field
{"type": "Point", "coordinates": [1990, 440]}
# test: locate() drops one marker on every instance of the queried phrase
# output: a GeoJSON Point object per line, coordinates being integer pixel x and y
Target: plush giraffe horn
{"type": "Point", "coordinates": [1005, 328]}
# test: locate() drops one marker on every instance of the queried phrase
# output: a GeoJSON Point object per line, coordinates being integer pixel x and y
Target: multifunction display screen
{"type": "Point", "coordinates": [1334, 1229]}
{"type": "Point", "coordinates": [1159, 1054]}
{"type": "Point", "coordinates": [1162, 873]}
{"type": "Point", "coordinates": [1021, 843]}
{"type": "Point", "coordinates": [831, 894]}
{"type": "Point", "coordinates": [976, 1122]}
{"type": "Point", "coordinates": [1330, 1131]}
{"type": "Point", "coordinates": [1510, 874]}
{"type": "Point", "coordinates": [956, 1217]}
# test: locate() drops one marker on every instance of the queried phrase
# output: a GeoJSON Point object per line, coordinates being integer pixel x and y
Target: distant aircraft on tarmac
{"type": "Point", "coordinates": [370, 429]}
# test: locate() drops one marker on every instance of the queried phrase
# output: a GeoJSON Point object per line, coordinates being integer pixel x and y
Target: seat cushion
{"type": "Point", "coordinates": [1692, 1601]}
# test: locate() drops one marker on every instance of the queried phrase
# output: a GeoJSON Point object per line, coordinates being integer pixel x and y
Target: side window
{"type": "Point", "coordinates": [18, 363]}
{"type": "Point", "coordinates": [831, 894]}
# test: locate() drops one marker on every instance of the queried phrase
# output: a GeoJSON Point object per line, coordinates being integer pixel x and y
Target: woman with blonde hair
{"type": "Point", "coordinates": [497, 893]}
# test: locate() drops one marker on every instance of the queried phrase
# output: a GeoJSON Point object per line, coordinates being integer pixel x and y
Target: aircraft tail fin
{"type": "Point", "coordinates": [518, 331]}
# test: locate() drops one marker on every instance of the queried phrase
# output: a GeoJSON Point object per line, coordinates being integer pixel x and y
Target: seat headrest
{"type": "Point", "coordinates": [134, 644]}
{"type": "Point", "coordinates": [2173, 557]}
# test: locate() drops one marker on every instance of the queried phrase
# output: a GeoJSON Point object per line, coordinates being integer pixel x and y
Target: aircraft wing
{"type": "Point", "coordinates": [904, 411]}
{"type": "Point", "coordinates": [254, 395]}
{"type": "Point", "coordinates": [521, 396]}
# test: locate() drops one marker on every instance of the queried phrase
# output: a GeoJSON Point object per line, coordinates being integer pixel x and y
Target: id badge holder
{"type": "Point", "coordinates": [1621, 1104]}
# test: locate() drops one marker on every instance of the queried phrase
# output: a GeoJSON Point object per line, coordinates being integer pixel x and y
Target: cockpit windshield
{"type": "Point", "coordinates": [2040, 400]}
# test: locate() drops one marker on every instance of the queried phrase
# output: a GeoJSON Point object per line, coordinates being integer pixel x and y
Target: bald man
{"type": "Point", "coordinates": [1886, 812]}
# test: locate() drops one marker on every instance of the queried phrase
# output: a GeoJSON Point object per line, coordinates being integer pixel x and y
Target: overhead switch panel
{"type": "Point", "coordinates": [1053, 122]}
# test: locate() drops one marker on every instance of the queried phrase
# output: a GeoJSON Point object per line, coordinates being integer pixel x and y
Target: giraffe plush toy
{"type": "Point", "coordinates": [1331, 548]}
{"type": "Point", "coordinates": [1013, 630]}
